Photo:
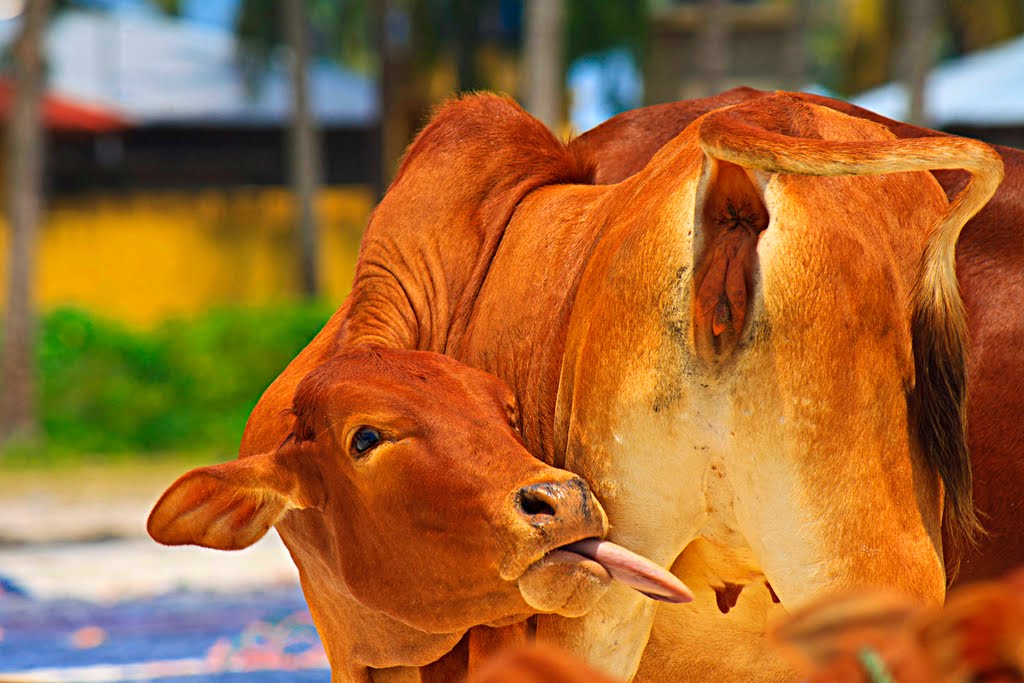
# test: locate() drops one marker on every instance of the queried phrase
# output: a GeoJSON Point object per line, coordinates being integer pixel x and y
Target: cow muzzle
{"type": "Point", "coordinates": [570, 566]}
{"type": "Point", "coordinates": [566, 503]}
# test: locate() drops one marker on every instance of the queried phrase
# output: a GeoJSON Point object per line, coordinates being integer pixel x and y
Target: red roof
{"type": "Point", "coordinates": [61, 113]}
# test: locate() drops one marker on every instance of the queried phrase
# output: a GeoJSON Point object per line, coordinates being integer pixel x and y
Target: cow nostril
{"type": "Point", "coordinates": [536, 501]}
{"type": "Point", "coordinates": [535, 506]}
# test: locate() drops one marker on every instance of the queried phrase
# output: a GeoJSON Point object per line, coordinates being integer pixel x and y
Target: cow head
{"type": "Point", "coordinates": [404, 481]}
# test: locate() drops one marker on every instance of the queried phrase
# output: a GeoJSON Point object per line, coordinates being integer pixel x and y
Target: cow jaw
{"type": "Point", "coordinates": [564, 583]}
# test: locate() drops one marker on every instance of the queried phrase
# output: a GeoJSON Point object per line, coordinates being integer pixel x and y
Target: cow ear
{"type": "Point", "coordinates": [730, 216]}
{"type": "Point", "coordinates": [842, 626]}
{"type": "Point", "coordinates": [232, 505]}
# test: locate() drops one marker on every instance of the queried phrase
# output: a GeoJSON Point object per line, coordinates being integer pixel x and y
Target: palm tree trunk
{"type": "Point", "coordinates": [544, 52]}
{"type": "Point", "coordinates": [467, 40]}
{"type": "Point", "coordinates": [794, 59]}
{"type": "Point", "coordinates": [393, 84]}
{"type": "Point", "coordinates": [24, 205]}
{"type": "Point", "coordinates": [304, 149]}
{"type": "Point", "coordinates": [714, 50]}
{"type": "Point", "coordinates": [920, 17]}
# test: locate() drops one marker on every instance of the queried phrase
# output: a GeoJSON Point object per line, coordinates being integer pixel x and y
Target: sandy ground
{"type": "Point", "coordinates": [81, 533]}
{"type": "Point", "coordinates": [133, 568]}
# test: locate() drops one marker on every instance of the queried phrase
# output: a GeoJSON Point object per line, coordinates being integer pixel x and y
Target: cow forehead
{"type": "Point", "coordinates": [400, 383]}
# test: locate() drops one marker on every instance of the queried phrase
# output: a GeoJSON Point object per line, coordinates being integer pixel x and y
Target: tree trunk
{"type": "Point", "coordinates": [467, 41]}
{"type": "Point", "coordinates": [393, 27]}
{"type": "Point", "coordinates": [303, 143]}
{"type": "Point", "coordinates": [544, 50]}
{"type": "Point", "coordinates": [794, 60]}
{"type": "Point", "coordinates": [919, 22]}
{"type": "Point", "coordinates": [714, 47]}
{"type": "Point", "coordinates": [24, 205]}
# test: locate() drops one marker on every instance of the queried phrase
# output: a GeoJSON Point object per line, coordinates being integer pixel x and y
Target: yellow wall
{"type": "Point", "coordinates": [143, 257]}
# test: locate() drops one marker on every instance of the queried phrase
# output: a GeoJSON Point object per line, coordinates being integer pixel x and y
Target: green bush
{"type": "Point", "coordinates": [184, 385]}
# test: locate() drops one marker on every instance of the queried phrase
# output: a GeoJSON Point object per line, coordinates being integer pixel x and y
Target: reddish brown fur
{"type": "Point", "coordinates": [415, 287]}
{"type": "Point", "coordinates": [530, 338]}
{"type": "Point", "coordinates": [990, 270]}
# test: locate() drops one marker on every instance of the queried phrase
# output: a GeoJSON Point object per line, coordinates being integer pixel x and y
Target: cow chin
{"type": "Point", "coordinates": [564, 583]}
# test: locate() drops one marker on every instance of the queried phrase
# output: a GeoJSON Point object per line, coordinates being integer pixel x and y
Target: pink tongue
{"type": "Point", "coordinates": [635, 571]}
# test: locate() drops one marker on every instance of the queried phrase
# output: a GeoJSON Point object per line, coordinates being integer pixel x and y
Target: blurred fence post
{"type": "Point", "coordinates": [303, 145]}
{"type": "Point", "coordinates": [544, 52]}
{"type": "Point", "coordinates": [18, 408]}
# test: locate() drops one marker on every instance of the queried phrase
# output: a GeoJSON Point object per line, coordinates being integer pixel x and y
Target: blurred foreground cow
{"type": "Point", "coordinates": [865, 637]}
{"type": "Point", "coordinates": [868, 637]}
{"type": "Point", "coordinates": [752, 351]}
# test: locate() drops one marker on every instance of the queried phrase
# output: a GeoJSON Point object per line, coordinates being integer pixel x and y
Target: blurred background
{"type": "Point", "coordinates": [185, 183]}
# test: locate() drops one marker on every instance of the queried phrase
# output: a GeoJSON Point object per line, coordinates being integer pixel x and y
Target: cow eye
{"type": "Point", "coordinates": [364, 439]}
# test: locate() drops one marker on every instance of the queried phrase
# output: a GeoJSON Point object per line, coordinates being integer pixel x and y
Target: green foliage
{"type": "Point", "coordinates": [185, 385]}
{"type": "Point", "coordinates": [171, 7]}
{"type": "Point", "coordinates": [598, 26]}
{"type": "Point", "coordinates": [340, 31]}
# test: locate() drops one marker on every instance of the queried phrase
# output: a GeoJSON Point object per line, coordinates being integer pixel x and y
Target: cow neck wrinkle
{"type": "Point", "coordinates": [390, 304]}
{"type": "Point", "coordinates": [407, 304]}
{"type": "Point", "coordinates": [520, 319]}
{"type": "Point", "coordinates": [433, 237]}
{"type": "Point", "coordinates": [401, 298]}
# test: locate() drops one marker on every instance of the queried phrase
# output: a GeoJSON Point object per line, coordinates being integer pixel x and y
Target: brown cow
{"type": "Point", "coordinates": [438, 495]}
{"type": "Point", "coordinates": [869, 637]}
{"type": "Point", "coordinates": [750, 365]}
{"type": "Point", "coordinates": [990, 270]}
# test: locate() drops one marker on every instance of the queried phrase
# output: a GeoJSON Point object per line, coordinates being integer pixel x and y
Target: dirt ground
{"type": "Point", "coordinates": [80, 532]}
{"type": "Point", "coordinates": [86, 595]}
